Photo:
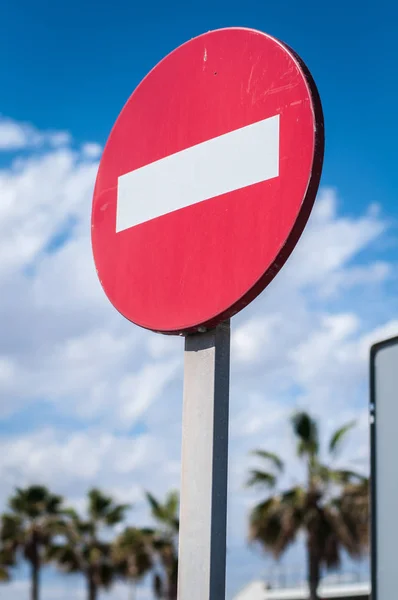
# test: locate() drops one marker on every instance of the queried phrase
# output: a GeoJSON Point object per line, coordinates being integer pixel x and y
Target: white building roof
{"type": "Point", "coordinates": [253, 591]}
{"type": "Point", "coordinates": [256, 591]}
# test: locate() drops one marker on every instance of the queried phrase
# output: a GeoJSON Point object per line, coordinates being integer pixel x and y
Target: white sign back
{"type": "Point", "coordinates": [384, 477]}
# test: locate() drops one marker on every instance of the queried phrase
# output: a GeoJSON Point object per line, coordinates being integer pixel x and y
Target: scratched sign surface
{"type": "Point", "coordinates": [207, 180]}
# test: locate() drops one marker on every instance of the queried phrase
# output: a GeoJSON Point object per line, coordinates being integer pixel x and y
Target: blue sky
{"type": "Point", "coordinates": [73, 65]}
{"type": "Point", "coordinates": [88, 399]}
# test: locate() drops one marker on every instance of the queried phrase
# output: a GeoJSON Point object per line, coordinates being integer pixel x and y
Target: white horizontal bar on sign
{"type": "Point", "coordinates": [223, 164]}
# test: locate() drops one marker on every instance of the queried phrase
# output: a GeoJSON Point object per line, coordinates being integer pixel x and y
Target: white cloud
{"type": "Point", "coordinates": [7, 371]}
{"type": "Point", "coordinates": [16, 136]}
{"type": "Point", "coordinates": [139, 391]}
{"type": "Point", "coordinates": [114, 390]}
{"type": "Point", "coordinates": [256, 335]}
{"type": "Point", "coordinates": [325, 347]}
{"type": "Point", "coordinates": [71, 463]}
{"type": "Point", "coordinates": [56, 138]}
{"type": "Point", "coordinates": [91, 150]}
{"type": "Point", "coordinates": [331, 241]}
{"type": "Point", "coordinates": [343, 281]}
{"type": "Point", "coordinates": [39, 195]}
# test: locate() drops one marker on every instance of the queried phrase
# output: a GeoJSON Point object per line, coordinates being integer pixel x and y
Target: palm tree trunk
{"type": "Point", "coordinates": [172, 593]}
{"type": "Point", "coordinates": [172, 586]}
{"type": "Point", "coordinates": [313, 572]}
{"type": "Point", "coordinates": [92, 588]}
{"type": "Point", "coordinates": [35, 569]}
{"type": "Point", "coordinates": [166, 587]}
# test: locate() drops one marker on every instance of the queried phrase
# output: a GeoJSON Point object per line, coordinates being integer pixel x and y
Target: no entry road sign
{"type": "Point", "coordinates": [207, 180]}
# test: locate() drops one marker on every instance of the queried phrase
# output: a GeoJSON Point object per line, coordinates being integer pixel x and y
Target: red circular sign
{"type": "Point", "coordinates": [207, 180]}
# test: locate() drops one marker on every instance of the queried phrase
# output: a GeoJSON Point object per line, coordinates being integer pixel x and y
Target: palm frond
{"type": "Point", "coordinates": [331, 552]}
{"type": "Point", "coordinates": [273, 458]}
{"type": "Point", "coordinates": [105, 574]}
{"type": "Point", "coordinates": [266, 527]}
{"type": "Point", "coordinates": [11, 528]}
{"type": "Point", "coordinates": [306, 430]}
{"type": "Point", "coordinates": [295, 496]}
{"type": "Point", "coordinates": [147, 532]}
{"type": "Point", "coordinates": [71, 513]}
{"type": "Point", "coordinates": [7, 557]}
{"type": "Point", "coordinates": [34, 501]}
{"type": "Point", "coordinates": [156, 507]}
{"type": "Point", "coordinates": [163, 541]}
{"type": "Point", "coordinates": [261, 478]}
{"type": "Point", "coordinates": [172, 503]}
{"type": "Point", "coordinates": [65, 557]}
{"type": "Point", "coordinates": [345, 529]}
{"type": "Point", "coordinates": [54, 504]}
{"type": "Point", "coordinates": [346, 477]}
{"type": "Point", "coordinates": [131, 553]}
{"type": "Point", "coordinates": [338, 437]}
{"type": "Point", "coordinates": [354, 505]}
{"type": "Point", "coordinates": [98, 504]}
{"type": "Point", "coordinates": [165, 513]}
{"type": "Point", "coordinates": [276, 521]}
{"type": "Point", "coordinates": [116, 514]}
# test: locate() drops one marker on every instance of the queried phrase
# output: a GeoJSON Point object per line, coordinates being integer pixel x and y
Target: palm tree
{"type": "Point", "coordinates": [164, 542]}
{"type": "Point", "coordinates": [85, 549]}
{"type": "Point", "coordinates": [7, 560]}
{"type": "Point", "coordinates": [131, 554]}
{"type": "Point", "coordinates": [354, 502]}
{"type": "Point", "coordinates": [330, 507]}
{"type": "Point", "coordinates": [4, 568]}
{"type": "Point", "coordinates": [28, 527]}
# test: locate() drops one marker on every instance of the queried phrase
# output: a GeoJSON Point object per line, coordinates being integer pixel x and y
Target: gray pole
{"type": "Point", "coordinates": [203, 511]}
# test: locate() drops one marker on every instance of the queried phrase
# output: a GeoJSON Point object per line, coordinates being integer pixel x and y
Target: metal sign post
{"type": "Point", "coordinates": [384, 472]}
{"type": "Point", "coordinates": [203, 511]}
